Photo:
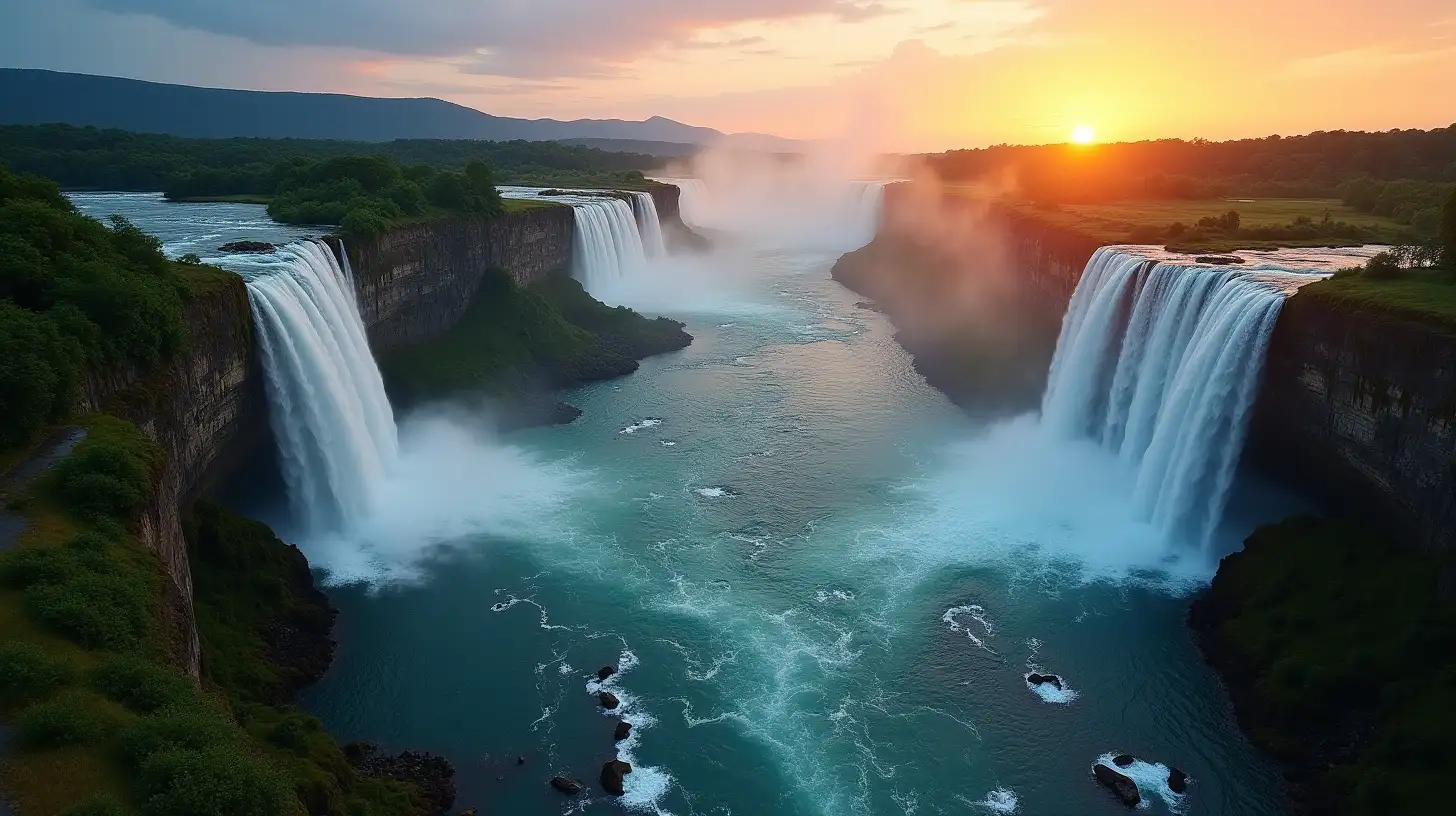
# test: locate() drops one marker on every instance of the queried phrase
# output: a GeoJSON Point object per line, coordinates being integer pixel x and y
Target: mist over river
{"type": "Point", "coordinates": [822, 583]}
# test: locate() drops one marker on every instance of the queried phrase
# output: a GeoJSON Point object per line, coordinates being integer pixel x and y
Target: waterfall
{"type": "Point", "coordinates": [607, 244]}
{"type": "Point", "coordinates": [1159, 361]}
{"type": "Point", "coordinates": [334, 425]}
{"type": "Point", "coordinates": [649, 225]}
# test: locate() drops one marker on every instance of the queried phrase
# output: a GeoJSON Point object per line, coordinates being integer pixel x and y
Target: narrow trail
{"type": "Point", "coordinates": [53, 450]}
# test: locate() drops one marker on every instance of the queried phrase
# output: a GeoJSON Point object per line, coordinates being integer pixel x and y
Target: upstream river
{"type": "Point", "coordinates": [821, 583]}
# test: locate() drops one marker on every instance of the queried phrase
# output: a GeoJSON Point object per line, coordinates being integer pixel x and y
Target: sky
{"type": "Point", "coordinates": [904, 75]}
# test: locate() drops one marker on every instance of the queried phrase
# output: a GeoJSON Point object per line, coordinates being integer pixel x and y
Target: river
{"type": "Point", "coordinates": [822, 584]}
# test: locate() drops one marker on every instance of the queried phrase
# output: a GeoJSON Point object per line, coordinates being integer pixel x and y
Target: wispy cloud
{"type": "Point", "coordinates": [1365, 60]}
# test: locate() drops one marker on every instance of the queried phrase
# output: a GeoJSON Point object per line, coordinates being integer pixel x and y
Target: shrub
{"type": "Point", "coordinates": [220, 781]}
{"type": "Point", "coordinates": [104, 480]}
{"type": "Point", "coordinates": [28, 674]}
{"type": "Point", "coordinates": [103, 805]}
{"type": "Point", "coordinates": [192, 725]}
{"type": "Point", "coordinates": [67, 720]}
{"type": "Point", "coordinates": [35, 565]}
{"type": "Point", "coordinates": [1383, 267]}
{"type": "Point", "coordinates": [97, 610]}
{"type": "Point", "coordinates": [140, 685]}
{"type": "Point", "coordinates": [39, 368]}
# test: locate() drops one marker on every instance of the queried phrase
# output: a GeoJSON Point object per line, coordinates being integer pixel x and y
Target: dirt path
{"type": "Point", "coordinates": [54, 449]}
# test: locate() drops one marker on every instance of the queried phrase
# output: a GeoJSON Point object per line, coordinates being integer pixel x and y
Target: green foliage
{"type": "Point", "coordinates": [109, 474]}
{"type": "Point", "coordinates": [509, 340]}
{"type": "Point", "coordinates": [103, 805]}
{"type": "Point", "coordinates": [620, 329]}
{"type": "Point", "coordinates": [29, 674]}
{"type": "Point", "coordinates": [140, 685]}
{"type": "Point", "coordinates": [1417, 203]}
{"type": "Point", "coordinates": [194, 725]}
{"type": "Point", "coordinates": [222, 780]}
{"type": "Point", "coordinates": [1383, 267]}
{"type": "Point", "coordinates": [1448, 231]}
{"type": "Point", "coordinates": [70, 719]}
{"type": "Point", "coordinates": [246, 584]}
{"type": "Point", "coordinates": [1343, 634]}
{"type": "Point", "coordinates": [73, 294]}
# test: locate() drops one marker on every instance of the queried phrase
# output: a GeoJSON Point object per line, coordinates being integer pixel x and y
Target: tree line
{"type": "Point", "coordinates": [92, 158]}
{"type": "Point", "coordinates": [1310, 166]}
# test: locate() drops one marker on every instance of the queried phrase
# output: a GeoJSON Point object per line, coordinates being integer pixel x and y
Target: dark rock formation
{"type": "Point", "coordinates": [612, 776]}
{"type": "Point", "coordinates": [1122, 786]}
{"type": "Point", "coordinates": [1219, 260]}
{"type": "Point", "coordinates": [608, 700]}
{"type": "Point", "coordinates": [1124, 760]}
{"type": "Point", "coordinates": [624, 729]}
{"type": "Point", "coordinates": [432, 775]}
{"type": "Point", "coordinates": [1038, 679]}
{"type": "Point", "coordinates": [566, 785]}
{"type": "Point", "coordinates": [1177, 781]}
{"type": "Point", "coordinates": [606, 671]}
{"type": "Point", "coordinates": [248, 247]}
{"type": "Point", "coordinates": [869, 306]}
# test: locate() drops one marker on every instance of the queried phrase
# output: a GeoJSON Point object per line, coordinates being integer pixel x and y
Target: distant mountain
{"type": "Point", "coordinates": [32, 97]}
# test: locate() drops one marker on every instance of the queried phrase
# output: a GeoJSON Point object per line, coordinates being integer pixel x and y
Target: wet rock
{"type": "Point", "coordinates": [1123, 760]}
{"type": "Point", "coordinates": [1177, 780]}
{"type": "Point", "coordinates": [520, 760]}
{"type": "Point", "coordinates": [470, 812]}
{"type": "Point", "coordinates": [612, 776]}
{"type": "Point", "coordinates": [870, 306]}
{"type": "Point", "coordinates": [624, 728]}
{"type": "Point", "coordinates": [1122, 786]}
{"type": "Point", "coordinates": [1038, 679]}
{"type": "Point", "coordinates": [606, 671]}
{"type": "Point", "coordinates": [608, 700]}
{"type": "Point", "coordinates": [566, 785]}
{"type": "Point", "coordinates": [1219, 260]}
{"type": "Point", "coordinates": [432, 775]}
{"type": "Point", "coordinates": [250, 247]}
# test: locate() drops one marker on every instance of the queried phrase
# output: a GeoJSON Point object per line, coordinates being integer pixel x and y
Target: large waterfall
{"type": "Point", "coordinates": [335, 428]}
{"type": "Point", "coordinates": [649, 225]}
{"type": "Point", "coordinates": [1160, 362]}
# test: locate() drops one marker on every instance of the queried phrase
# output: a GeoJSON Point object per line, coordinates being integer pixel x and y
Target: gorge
{"type": "Point", "coordinates": [800, 561]}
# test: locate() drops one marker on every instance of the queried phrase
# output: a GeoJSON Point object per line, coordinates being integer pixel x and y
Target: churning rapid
{"type": "Point", "coordinates": [336, 433]}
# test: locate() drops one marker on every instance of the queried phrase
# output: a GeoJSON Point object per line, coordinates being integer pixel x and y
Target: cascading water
{"type": "Point", "coordinates": [1160, 362]}
{"type": "Point", "coordinates": [649, 225]}
{"type": "Point", "coordinates": [335, 428]}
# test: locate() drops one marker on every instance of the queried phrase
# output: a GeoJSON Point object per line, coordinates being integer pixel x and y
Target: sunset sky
{"type": "Point", "coordinates": [892, 74]}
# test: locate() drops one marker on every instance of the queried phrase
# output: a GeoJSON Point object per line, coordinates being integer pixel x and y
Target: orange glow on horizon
{"type": "Point", "coordinates": [1083, 135]}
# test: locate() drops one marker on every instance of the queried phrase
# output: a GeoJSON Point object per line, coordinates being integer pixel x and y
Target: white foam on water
{"type": "Point", "coordinates": [1152, 781]}
{"type": "Point", "coordinates": [976, 613]}
{"type": "Point", "coordinates": [1000, 801]}
{"type": "Point", "coordinates": [1046, 691]}
{"type": "Point", "coordinates": [646, 786]}
{"type": "Point", "coordinates": [649, 422]}
{"type": "Point", "coordinates": [714, 492]}
{"type": "Point", "coordinates": [667, 443]}
{"type": "Point", "coordinates": [825, 596]}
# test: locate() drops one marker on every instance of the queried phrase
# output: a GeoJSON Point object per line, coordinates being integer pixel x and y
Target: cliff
{"type": "Point", "coordinates": [202, 410]}
{"type": "Point", "coordinates": [1358, 407]}
{"type": "Point", "coordinates": [414, 283]}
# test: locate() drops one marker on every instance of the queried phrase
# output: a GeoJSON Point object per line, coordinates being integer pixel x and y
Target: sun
{"type": "Point", "coordinates": [1084, 134]}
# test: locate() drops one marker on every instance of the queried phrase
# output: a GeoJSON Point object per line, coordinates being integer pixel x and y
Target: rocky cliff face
{"type": "Point", "coordinates": [1359, 408]}
{"type": "Point", "coordinates": [416, 282]}
{"type": "Point", "coordinates": [204, 408]}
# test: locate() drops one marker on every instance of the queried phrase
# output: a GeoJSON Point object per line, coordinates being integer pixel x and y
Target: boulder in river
{"type": "Point", "coordinates": [612, 776]}
{"type": "Point", "coordinates": [1124, 760]}
{"type": "Point", "coordinates": [608, 700]}
{"type": "Point", "coordinates": [1219, 260]}
{"type": "Point", "coordinates": [1177, 780]}
{"type": "Point", "coordinates": [250, 247]}
{"type": "Point", "coordinates": [1038, 679]}
{"type": "Point", "coordinates": [623, 729]}
{"type": "Point", "coordinates": [566, 785]}
{"type": "Point", "coordinates": [606, 671]}
{"type": "Point", "coordinates": [1123, 786]}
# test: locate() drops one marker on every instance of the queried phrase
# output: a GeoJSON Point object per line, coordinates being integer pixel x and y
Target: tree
{"type": "Point", "coordinates": [1448, 231]}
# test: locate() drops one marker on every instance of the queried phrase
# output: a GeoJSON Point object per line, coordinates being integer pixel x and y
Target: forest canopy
{"type": "Point", "coordinates": [1311, 166]}
{"type": "Point", "coordinates": [92, 158]}
{"type": "Point", "coordinates": [74, 294]}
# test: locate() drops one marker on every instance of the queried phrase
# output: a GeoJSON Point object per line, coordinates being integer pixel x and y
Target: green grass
{"type": "Point", "coordinates": [1425, 294]}
{"type": "Point", "coordinates": [520, 205]}
{"type": "Point", "coordinates": [1115, 223]}
{"type": "Point", "coordinates": [1342, 639]}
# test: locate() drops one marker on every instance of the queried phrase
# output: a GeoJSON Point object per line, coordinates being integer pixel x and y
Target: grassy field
{"type": "Point", "coordinates": [1114, 223]}
{"type": "Point", "coordinates": [1424, 294]}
